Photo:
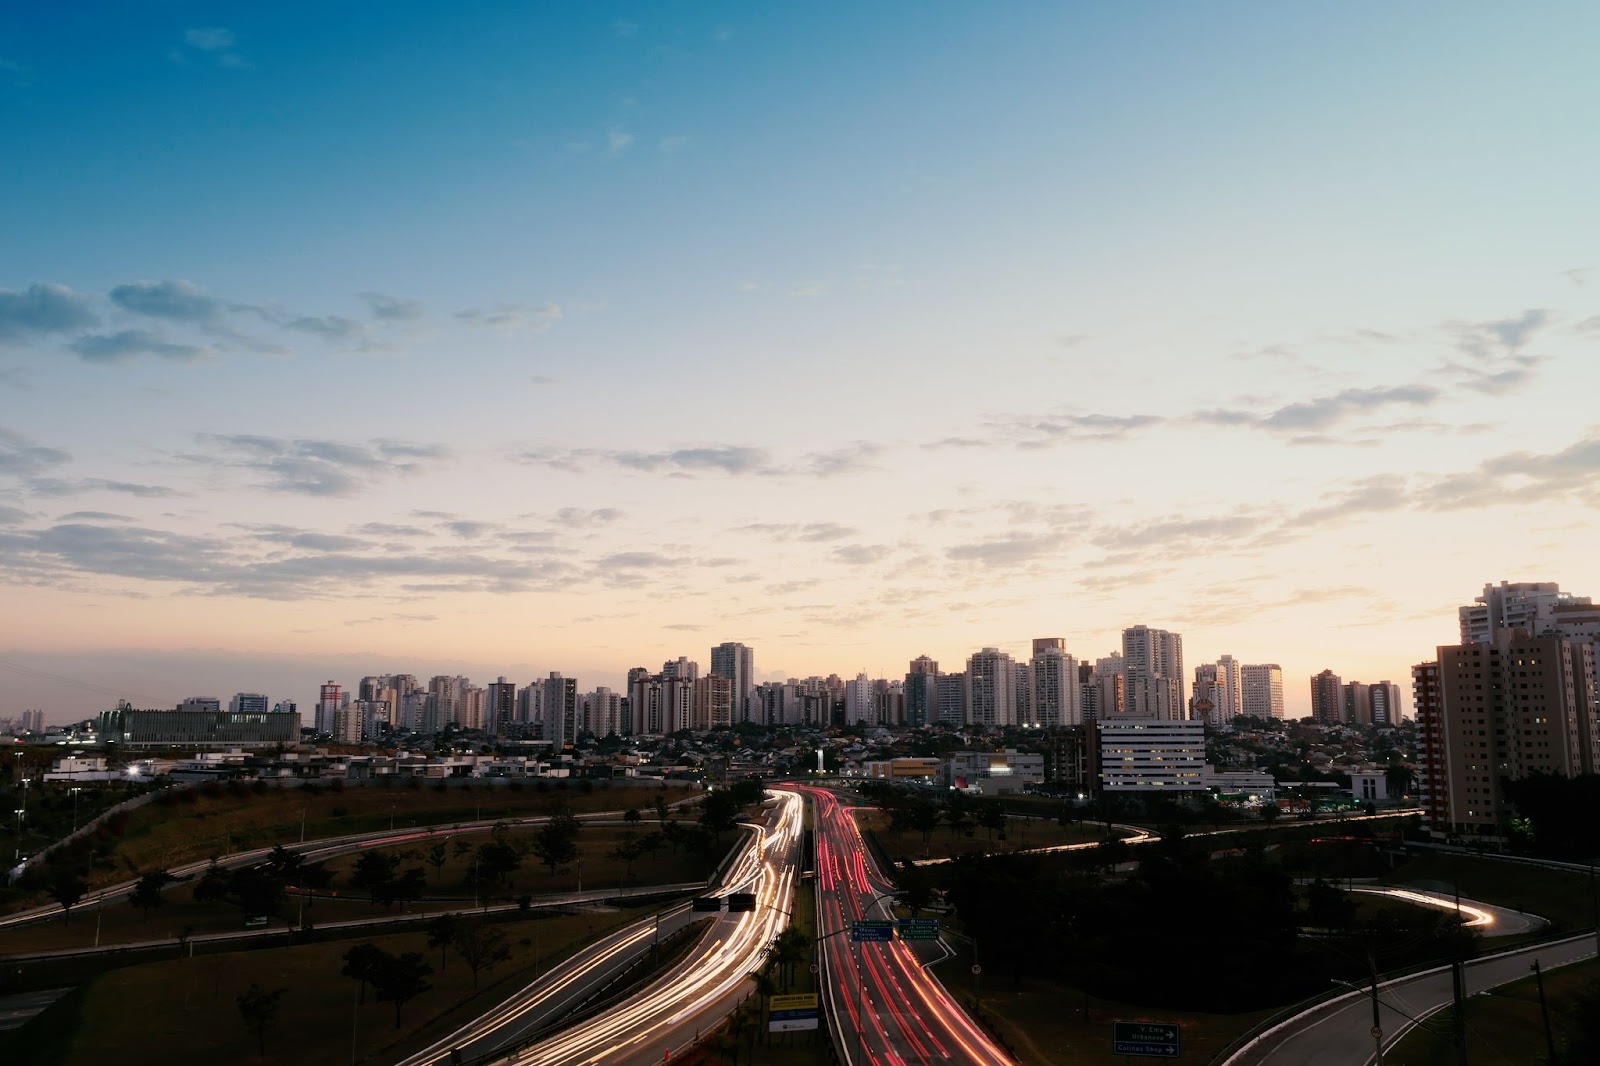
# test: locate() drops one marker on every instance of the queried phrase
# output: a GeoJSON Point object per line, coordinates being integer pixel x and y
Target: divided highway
{"type": "Point", "coordinates": [887, 1009]}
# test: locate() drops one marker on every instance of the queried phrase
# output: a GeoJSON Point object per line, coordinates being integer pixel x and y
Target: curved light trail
{"type": "Point", "coordinates": [700, 989]}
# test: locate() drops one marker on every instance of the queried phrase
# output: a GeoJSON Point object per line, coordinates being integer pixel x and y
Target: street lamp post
{"type": "Point", "coordinates": [74, 792]}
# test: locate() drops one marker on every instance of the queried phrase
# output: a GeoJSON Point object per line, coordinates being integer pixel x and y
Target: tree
{"type": "Point", "coordinates": [399, 980]}
{"type": "Point", "coordinates": [916, 886]}
{"type": "Point", "coordinates": [373, 872]}
{"type": "Point", "coordinates": [661, 808]}
{"type": "Point", "coordinates": [632, 816]}
{"type": "Point", "coordinates": [461, 849]}
{"type": "Point", "coordinates": [554, 845]}
{"type": "Point", "coordinates": [67, 888]}
{"type": "Point", "coordinates": [256, 891]}
{"type": "Point", "coordinates": [436, 858]}
{"type": "Point", "coordinates": [285, 864]}
{"type": "Point", "coordinates": [720, 812]}
{"type": "Point", "coordinates": [925, 818]}
{"type": "Point", "coordinates": [408, 886]}
{"type": "Point", "coordinates": [789, 948]}
{"type": "Point", "coordinates": [626, 851]}
{"type": "Point", "coordinates": [213, 886]}
{"type": "Point", "coordinates": [258, 1008]}
{"type": "Point", "coordinates": [481, 947]}
{"type": "Point", "coordinates": [442, 932]}
{"type": "Point", "coordinates": [360, 962]}
{"type": "Point", "coordinates": [991, 817]}
{"type": "Point", "coordinates": [1270, 812]}
{"type": "Point", "coordinates": [147, 893]}
{"type": "Point", "coordinates": [497, 861]}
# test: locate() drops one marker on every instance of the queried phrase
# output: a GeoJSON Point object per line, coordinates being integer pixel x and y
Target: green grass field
{"type": "Point", "coordinates": [1504, 1027]}
{"type": "Point", "coordinates": [1021, 834]}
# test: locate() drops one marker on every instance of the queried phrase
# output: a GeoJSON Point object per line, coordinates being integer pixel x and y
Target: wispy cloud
{"type": "Point", "coordinates": [534, 318]}
{"type": "Point", "coordinates": [20, 455]}
{"type": "Point", "coordinates": [312, 467]}
{"type": "Point", "coordinates": [217, 42]}
{"type": "Point", "coordinates": [126, 345]}
{"type": "Point", "coordinates": [724, 459]}
{"type": "Point", "coordinates": [43, 308]}
{"type": "Point", "coordinates": [393, 308]}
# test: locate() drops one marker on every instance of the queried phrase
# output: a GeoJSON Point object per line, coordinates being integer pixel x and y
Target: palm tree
{"type": "Point", "coordinates": [765, 987]}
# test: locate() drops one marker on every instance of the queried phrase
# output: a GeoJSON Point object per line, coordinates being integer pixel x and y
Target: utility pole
{"type": "Point", "coordinates": [1458, 981]}
{"type": "Point", "coordinates": [1544, 1014]}
{"type": "Point", "coordinates": [1377, 1022]}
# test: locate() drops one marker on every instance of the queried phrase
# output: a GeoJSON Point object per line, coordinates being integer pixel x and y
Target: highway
{"type": "Point", "coordinates": [886, 1009]}
{"type": "Point", "coordinates": [670, 1013]}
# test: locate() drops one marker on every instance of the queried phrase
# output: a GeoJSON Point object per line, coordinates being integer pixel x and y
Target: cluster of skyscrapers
{"type": "Point", "coordinates": [1145, 679]}
{"type": "Point", "coordinates": [1516, 697]}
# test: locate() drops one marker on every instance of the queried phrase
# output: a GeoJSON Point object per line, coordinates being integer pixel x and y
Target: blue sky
{"type": "Point", "coordinates": [580, 338]}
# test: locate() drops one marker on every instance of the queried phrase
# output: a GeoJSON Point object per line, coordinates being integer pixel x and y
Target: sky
{"type": "Point", "coordinates": [497, 338]}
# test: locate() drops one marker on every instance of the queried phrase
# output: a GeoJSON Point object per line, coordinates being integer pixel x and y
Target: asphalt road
{"type": "Point", "coordinates": [1339, 1032]}
{"type": "Point", "coordinates": [887, 1009]}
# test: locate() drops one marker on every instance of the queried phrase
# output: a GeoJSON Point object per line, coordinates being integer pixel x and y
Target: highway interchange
{"type": "Point", "coordinates": [881, 1004]}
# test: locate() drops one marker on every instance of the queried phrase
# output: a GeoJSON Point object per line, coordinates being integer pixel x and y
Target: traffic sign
{"type": "Point", "coordinates": [976, 969]}
{"type": "Point", "coordinates": [794, 1001]}
{"type": "Point", "coordinates": [1156, 1040]}
{"type": "Point", "coordinates": [815, 968]}
{"type": "Point", "coordinates": [875, 932]}
{"type": "Point", "coordinates": [1377, 1032]}
{"type": "Point", "coordinates": [742, 901]}
{"type": "Point", "coordinates": [792, 1021]}
{"type": "Point", "coordinates": [919, 928]}
{"type": "Point", "coordinates": [708, 903]}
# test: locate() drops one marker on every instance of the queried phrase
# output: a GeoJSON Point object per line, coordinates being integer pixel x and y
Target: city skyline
{"type": "Point", "coordinates": [489, 342]}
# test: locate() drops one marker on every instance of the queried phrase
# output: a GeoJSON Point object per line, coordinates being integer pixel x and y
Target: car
{"type": "Point", "coordinates": [256, 921]}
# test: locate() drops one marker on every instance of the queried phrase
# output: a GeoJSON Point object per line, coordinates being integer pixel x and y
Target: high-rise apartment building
{"type": "Point", "coordinates": [1327, 698]}
{"type": "Point", "coordinates": [1056, 694]}
{"type": "Point", "coordinates": [474, 704]}
{"type": "Point", "coordinates": [559, 700]}
{"type": "Point", "coordinates": [736, 662]}
{"type": "Point", "coordinates": [500, 710]}
{"type": "Point", "coordinates": [713, 702]}
{"type": "Point", "coordinates": [1153, 660]}
{"type": "Point", "coordinates": [1533, 606]}
{"type": "Point", "coordinates": [991, 688]}
{"type": "Point", "coordinates": [329, 700]}
{"type": "Point", "coordinates": [1384, 697]}
{"type": "Point", "coordinates": [602, 712]}
{"type": "Point", "coordinates": [1357, 703]}
{"type": "Point", "coordinates": [1261, 689]}
{"type": "Point", "coordinates": [1232, 684]}
{"type": "Point", "coordinates": [1505, 708]}
{"type": "Point", "coordinates": [922, 692]}
{"type": "Point", "coordinates": [858, 701]}
{"type": "Point", "coordinates": [952, 691]}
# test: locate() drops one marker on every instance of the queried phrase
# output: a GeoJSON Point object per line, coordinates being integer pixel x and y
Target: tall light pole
{"type": "Point", "coordinates": [74, 792]}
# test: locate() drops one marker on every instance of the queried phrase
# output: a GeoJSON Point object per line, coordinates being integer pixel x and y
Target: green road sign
{"type": "Point", "coordinates": [918, 928]}
{"type": "Point", "coordinates": [871, 931]}
{"type": "Point", "coordinates": [1156, 1040]}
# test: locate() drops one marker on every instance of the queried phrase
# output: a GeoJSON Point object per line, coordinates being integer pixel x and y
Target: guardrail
{"type": "Point", "coordinates": [1267, 1026]}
